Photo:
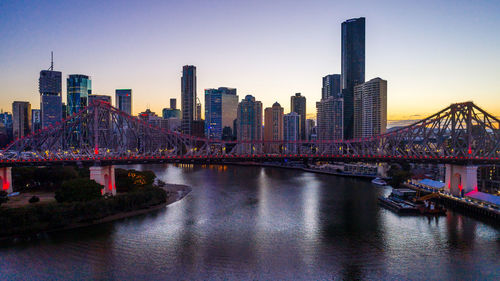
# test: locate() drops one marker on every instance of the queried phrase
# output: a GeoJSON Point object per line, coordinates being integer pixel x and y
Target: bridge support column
{"type": "Point", "coordinates": [460, 179]}
{"type": "Point", "coordinates": [6, 179]}
{"type": "Point", "coordinates": [104, 175]}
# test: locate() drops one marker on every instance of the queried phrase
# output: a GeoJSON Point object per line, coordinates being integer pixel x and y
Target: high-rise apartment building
{"type": "Point", "coordinates": [291, 131]}
{"type": "Point", "coordinates": [198, 110]}
{"type": "Point", "coordinates": [50, 88]}
{"type": "Point", "coordinates": [310, 124]}
{"type": "Point", "coordinates": [188, 98]}
{"type": "Point", "coordinates": [21, 119]}
{"type": "Point", "coordinates": [123, 100]}
{"type": "Point", "coordinates": [79, 87]}
{"type": "Point", "coordinates": [331, 86]}
{"type": "Point", "coordinates": [36, 120]}
{"type": "Point", "coordinates": [370, 102]}
{"type": "Point", "coordinates": [353, 67]}
{"type": "Point", "coordinates": [221, 107]}
{"type": "Point", "coordinates": [330, 117]}
{"type": "Point", "coordinates": [298, 105]}
{"type": "Point", "coordinates": [249, 119]}
{"type": "Point", "coordinates": [273, 123]}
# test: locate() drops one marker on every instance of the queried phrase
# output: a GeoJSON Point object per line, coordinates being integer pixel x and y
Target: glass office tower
{"type": "Point", "coordinates": [123, 100]}
{"type": "Point", "coordinates": [79, 87]}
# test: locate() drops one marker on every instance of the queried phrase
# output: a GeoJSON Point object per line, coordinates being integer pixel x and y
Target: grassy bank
{"type": "Point", "coordinates": [37, 218]}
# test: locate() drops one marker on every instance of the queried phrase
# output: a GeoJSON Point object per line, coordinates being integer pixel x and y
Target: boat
{"type": "Point", "coordinates": [379, 181]}
{"type": "Point", "coordinates": [398, 201]}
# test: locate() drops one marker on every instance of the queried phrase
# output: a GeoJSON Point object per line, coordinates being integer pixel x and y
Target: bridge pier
{"type": "Point", "coordinates": [104, 175]}
{"type": "Point", "coordinates": [6, 179]}
{"type": "Point", "coordinates": [460, 179]}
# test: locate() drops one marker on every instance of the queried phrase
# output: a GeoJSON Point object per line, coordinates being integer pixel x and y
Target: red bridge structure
{"type": "Point", "coordinates": [462, 136]}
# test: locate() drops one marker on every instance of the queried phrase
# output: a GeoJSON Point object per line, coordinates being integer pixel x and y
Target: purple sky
{"type": "Point", "coordinates": [432, 53]}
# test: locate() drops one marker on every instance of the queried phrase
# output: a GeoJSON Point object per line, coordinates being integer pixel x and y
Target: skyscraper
{"type": "Point", "coordinates": [36, 120]}
{"type": "Point", "coordinates": [273, 123]}
{"type": "Point", "coordinates": [298, 105]}
{"type": "Point", "coordinates": [79, 87]}
{"type": "Point", "coordinates": [353, 67]}
{"type": "Point", "coordinates": [104, 98]}
{"type": "Point", "coordinates": [291, 130]}
{"type": "Point", "coordinates": [330, 118]}
{"type": "Point", "coordinates": [221, 107]}
{"type": "Point", "coordinates": [249, 119]}
{"type": "Point", "coordinates": [21, 119]}
{"type": "Point", "coordinates": [370, 100]}
{"type": "Point", "coordinates": [173, 103]}
{"type": "Point", "coordinates": [123, 100]}
{"type": "Point", "coordinates": [331, 86]}
{"type": "Point", "coordinates": [188, 98]}
{"type": "Point", "coordinates": [50, 88]}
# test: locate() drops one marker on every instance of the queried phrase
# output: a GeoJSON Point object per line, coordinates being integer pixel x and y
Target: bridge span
{"type": "Point", "coordinates": [462, 136]}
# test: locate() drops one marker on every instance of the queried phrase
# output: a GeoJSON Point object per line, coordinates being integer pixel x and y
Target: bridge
{"type": "Point", "coordinates": [462, 136]}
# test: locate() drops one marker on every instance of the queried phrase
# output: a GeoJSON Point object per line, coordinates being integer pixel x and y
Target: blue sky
{"type": "Point", "coordinates": [432, 53]}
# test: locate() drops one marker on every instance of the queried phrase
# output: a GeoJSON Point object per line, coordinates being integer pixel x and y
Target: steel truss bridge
{"type": "Point", "coordinates": [461, 134]}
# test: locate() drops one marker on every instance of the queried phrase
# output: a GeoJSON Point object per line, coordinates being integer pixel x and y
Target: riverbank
{"type": "Point", "coordinates": [173, 192]}
{"type": "Point", "coordinates": [311, 170]}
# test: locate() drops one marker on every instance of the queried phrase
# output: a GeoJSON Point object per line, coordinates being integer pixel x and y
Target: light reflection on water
{"type": "Point", "coordinates": [264, 223]}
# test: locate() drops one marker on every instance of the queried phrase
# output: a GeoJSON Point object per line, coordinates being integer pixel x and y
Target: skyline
{"type": "Point", "coordinates": [270, 57]}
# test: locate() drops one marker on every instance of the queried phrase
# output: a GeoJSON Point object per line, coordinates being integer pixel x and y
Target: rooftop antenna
{"type": "Point", "coordinates": [51, 61]}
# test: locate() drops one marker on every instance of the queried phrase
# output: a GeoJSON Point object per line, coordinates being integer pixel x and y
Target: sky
{"type": "Point", "coordinates": [432, 53]}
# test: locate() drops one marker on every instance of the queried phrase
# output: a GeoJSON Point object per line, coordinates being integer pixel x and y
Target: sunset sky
{"type": "Point", "coordinates": [432, 53]}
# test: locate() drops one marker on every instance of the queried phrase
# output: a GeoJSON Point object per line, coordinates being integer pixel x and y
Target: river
{"type": "Point", "coordinates": [264, 223]}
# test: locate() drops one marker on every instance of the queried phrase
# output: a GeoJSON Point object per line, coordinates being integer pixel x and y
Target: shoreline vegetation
{"type": "Point", "coordinates": [77, 206]}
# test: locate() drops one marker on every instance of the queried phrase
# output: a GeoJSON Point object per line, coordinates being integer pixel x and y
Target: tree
{"type": "Point", "coordinates": [3, 197]}
{"type": "Point", "coordinates": [80, 189]}
{"type": "Point", "coordinates": [399, 174]}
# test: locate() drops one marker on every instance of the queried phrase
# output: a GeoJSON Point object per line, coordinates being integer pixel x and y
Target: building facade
{"type": "Point", "coordinates": [21, 119]}
{"type": "Point", "coordinates": [188, 98]}
{"type": "Point", "coordinates": [370, 102]}
{"type": "Point", "coordinates": [36, 120]}
{"type": "Point", "coordinates": [273, 123]}
{"type": "Point", "coordinates": [123, 100]}
{"type": "Point", "coordinates": [221, 107]}
{"type": "Point", "coordinates": [50, 88]}
{"type": "Point", "coordinates": [331, 86]}
{"type": "Point", "coordinates": [298, 105]}
{"type": "Point", "coordinates": [291, 131]}
{"type": "Point", "coordinates": [104, 98]}
{"type": "Point", "coordinates": [353, 67]}
{"type": "Point", "coordinates": [79, 87]}
{"type": "Point", "coordinates": [330, 117]}
{"type": "Point", "coordinates": [249, 119]}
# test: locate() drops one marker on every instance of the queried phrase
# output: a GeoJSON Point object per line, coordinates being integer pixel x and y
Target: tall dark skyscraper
{"type": "Point", "coordinates": [298, 105]}
{"type": "Point", "coordinates": [188, 98]}
{"type": "Point", "coordinates": [50, 87]}
{"type": "Point", "coordinates": [331, 86]}
{"type": "Point", "coordinates": [353, 67]}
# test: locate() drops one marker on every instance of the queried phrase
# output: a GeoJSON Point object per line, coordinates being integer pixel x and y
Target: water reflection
{"type": "Point", "coordinates": [264, 223]}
